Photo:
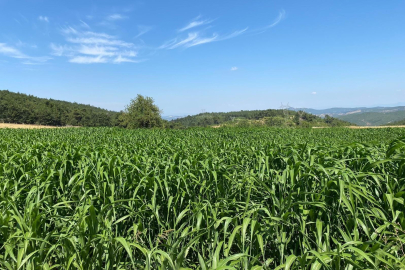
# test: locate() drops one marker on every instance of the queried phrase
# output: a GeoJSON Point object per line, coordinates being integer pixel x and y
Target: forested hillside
{"type": "Point", "coordinates": [374, 118]}
{"type": "Point", "coordinates": [398, 123]}
{"type": "Point", "coordinates": [259, 118]}
{"type": "Point", "coordinates": [27, 109]}
{"type": "Point", "coordinates": [341, 112]}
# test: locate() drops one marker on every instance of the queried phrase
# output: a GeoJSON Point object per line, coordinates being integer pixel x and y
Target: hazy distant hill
{"type": "Point", "coordinates": [363, 116]}
{"type": "Point", "coordinates": [344, 111]}
{"type": "Point", "coordinates": [374, 118]}
{"type": "Point", "coordinates": [172, 117]}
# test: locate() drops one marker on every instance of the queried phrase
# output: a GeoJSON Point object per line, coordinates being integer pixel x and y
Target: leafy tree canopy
{"type": "Point", "coordinates": [142, 113]}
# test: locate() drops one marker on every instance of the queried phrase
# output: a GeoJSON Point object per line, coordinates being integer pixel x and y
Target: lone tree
{"type": "Point", "coordinates": [142, 113]}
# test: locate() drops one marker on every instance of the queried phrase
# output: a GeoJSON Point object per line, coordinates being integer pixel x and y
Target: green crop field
{"type": "Point", "coordinates": [104, 198]}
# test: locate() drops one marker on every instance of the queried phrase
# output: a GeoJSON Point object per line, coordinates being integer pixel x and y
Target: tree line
{"type": "Point", "coordinates": [27, 109]}
{"type": "Point", "coordinates": [141, 112]}
{"type": "Point", "coordinates": [275, 118]}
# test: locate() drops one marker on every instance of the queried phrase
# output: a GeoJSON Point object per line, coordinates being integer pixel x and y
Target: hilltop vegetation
{"type": "Point", "coordinates": [362, 116]}
{"type": "Point", "coordinates": [276, 118]}
{"type": "Point", "coordinates": [398, 123]}
{"type": "Point", "coordinates": [142, 113]}
{"type": "Point", "coordinates": [254, 199]}
{"type": "Point", "coordinates": [336, 112]}
{"type": "Point", "coordinates": [374, 118]}
{"type": "Point", "coordinates": [26, 109]}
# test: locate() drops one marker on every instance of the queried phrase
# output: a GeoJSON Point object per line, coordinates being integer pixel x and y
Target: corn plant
{"type": "Point", "coordinates": [104, 198]}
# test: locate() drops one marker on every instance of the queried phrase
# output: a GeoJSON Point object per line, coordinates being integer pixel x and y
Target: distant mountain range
{"type": "Point", "coordinates": [362, 116]}
{"type": "Point", "coordinates": [172, 117]}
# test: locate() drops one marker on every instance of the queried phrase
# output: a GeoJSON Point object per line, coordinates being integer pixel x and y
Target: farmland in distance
{"type": "Point", "coordinates": [257, 198]}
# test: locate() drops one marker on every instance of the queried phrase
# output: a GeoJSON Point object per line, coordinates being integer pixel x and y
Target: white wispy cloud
{"type": "Point", "coordinates": [175, 43]}
{"type": "Point", "coordinates": [43, 19]}
{"type": "Point", "coordinates": [87, 60]}
{"type": "Point", "coordinates": [99, 41]}
{"type": "Point", "coordinates": [313, 93]}
{"type": "Point", "coordinates": [202, 40]}
{"type": "Point", "coordinates": [143, 29]}
{"type": "Point", "coordinates": [60, 50]}
{"type": "Point", "coordinates": [111, 20]}
{"type": "Point", "coordinates": [198, 38]}
{"type": "Point", "coordinates": [116, 17]}
{"type": "Point", "coordinates": [12, 52]}
{"type": "Point", "coordinates": [235, 34]}
{"type": "Point", "coordinates": [87, 47]}
{"type": "Point", "coordinates": [84, 24]}
{"type": "Point", "coordinates": [194, 23]}
{"type": "Point", "coordinates": [120, 59]}
{"type": "Point", "coordinates": [234, 68]}
{"type": "Point", "coordinates": [280, 17]}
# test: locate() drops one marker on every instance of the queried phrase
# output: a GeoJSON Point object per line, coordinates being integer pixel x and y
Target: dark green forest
{"type": "Point", "coordinates": [27, 109]}
{"type": "Point", "coordinates": [259, 118]}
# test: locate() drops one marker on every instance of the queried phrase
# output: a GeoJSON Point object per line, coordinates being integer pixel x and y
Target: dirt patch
{"type": "Point", "coordinates": [5, 125]}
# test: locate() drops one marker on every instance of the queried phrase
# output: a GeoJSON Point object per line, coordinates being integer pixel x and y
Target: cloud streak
{"type": "Point", "coordinates": [198, 38]}
{"type": "Point", "coordinates": [116, 17]}
{"type": "Point", "coordinates": [143, 30]}
{"type": "Point", "coordinates": [280, 17]}
{"type": "Point", "coordinates": [12, 52]}
{"type": "Point", "coordinates": [88, 60]}
{"type": "Point", "coordinates": [195, 23]}
{"type": "Point", "coordinates": [195, 38]}
{"type": "Point", "coordinates": [87, 47]}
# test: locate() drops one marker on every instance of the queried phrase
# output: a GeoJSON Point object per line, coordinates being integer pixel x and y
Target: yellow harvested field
{"type": "Point", "coordinates": [5, 125]}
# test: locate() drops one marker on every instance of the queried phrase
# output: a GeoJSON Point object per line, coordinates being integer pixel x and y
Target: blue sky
{"type": "Point", "coordinates": [194, 56]}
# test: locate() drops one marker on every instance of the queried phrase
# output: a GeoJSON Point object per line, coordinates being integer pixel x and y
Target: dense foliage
{"type": "Point", "coordinates": [25, 109]}
{"type": "Point", "coordinates": [202, 199]}
{"type": "Point", "coordinates": [142, 113]}
{"type": "Point", "coordinates": [275, 118]}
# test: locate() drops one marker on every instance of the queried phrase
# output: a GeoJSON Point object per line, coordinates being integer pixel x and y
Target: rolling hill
{"type": "Point", "coordinates": [258, 118]}
{"type": "Point", "coordinates": [26, 109]}
{"type": "Point", "coordinates": [362, 116]}
{"type": "Point", "coordinates": [374, 118]}
{"type": "Point", "coordinates": [399, 123]}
